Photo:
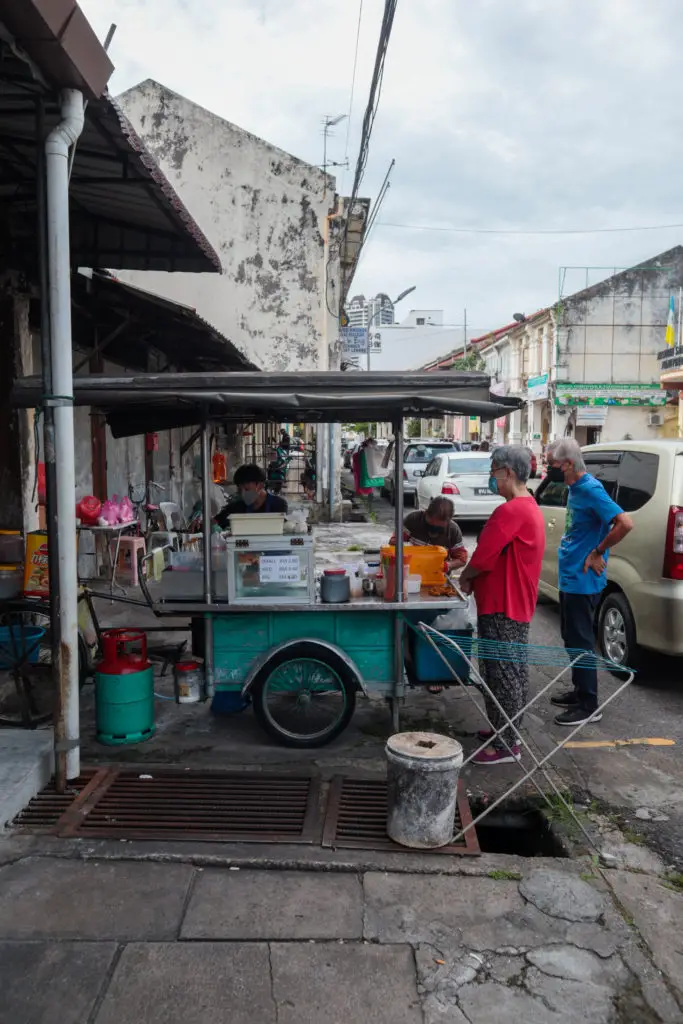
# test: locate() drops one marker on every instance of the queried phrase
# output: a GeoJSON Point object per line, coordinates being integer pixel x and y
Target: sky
{"type": "Point", "coordinates": [525, 116]}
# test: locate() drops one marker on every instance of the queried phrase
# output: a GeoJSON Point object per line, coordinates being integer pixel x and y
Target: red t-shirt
{"type": "Point", "coordinates": [509, 556]}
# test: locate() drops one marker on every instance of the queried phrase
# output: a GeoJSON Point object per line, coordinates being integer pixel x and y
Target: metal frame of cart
{"type": "Point", "coordinates": [324, 653]}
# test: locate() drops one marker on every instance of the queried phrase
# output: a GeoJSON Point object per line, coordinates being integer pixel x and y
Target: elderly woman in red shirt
{"type": "Point", "coordinates": [503, 573]}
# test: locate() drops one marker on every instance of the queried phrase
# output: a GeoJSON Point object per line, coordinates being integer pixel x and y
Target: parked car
{"type": "Point", "coordinates": [642, 605]}
{"type": "Point", "coordinates": [464, 478]}
{"type": "Point", "coordinates": [417, 455]}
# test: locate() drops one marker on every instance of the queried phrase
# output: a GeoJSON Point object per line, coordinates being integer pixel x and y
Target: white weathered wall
{"type": "Point", "coordinates": [265, 213]}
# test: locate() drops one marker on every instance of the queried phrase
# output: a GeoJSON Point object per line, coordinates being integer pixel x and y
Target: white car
{"type": "Point", "coordinates": [464, 478]}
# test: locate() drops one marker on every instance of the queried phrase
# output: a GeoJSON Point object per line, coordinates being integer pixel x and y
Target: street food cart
{"type": "Point", "coordinates": [300, 661]}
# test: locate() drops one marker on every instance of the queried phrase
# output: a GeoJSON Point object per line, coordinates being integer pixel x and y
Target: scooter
{"type": "Point", "coordinates": [276, 472]}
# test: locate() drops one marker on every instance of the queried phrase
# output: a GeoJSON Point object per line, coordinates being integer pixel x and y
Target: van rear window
{"type": "Point", "coordinates": [637, 479]}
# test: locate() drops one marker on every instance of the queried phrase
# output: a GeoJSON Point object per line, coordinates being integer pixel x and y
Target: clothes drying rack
{"type": "Point", "coordinates": [468, 648]}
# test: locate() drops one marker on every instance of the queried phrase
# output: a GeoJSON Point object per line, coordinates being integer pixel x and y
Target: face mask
{"type": "Point", "coordinates": [493, 485]}
{"type": "Point", "coordinates": [555, 475]}
{"type": "Point", "coordinates": [249, 498]}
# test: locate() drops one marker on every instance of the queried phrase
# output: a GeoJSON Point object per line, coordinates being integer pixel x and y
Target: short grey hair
{"type": "Point", "coordinates": [514, 458]}
{"type": "Point", "coordinates": [568, 450]}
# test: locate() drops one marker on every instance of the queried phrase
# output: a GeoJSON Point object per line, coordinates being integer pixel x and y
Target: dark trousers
{"type": "Point", "coordinates": [577, 615]}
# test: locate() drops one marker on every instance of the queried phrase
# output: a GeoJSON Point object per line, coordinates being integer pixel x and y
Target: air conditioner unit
{"type": "Point", "coordinates": [655, 419]}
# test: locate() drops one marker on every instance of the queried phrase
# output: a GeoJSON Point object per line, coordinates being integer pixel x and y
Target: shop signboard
{"type": "Point", "coordinates": [537, 388]}
{"type": "Point", "coordinates": [608, 395]}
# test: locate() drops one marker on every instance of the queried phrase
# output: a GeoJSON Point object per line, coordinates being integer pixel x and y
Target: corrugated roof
{"type": "Point", "coordinates": [124, 212]}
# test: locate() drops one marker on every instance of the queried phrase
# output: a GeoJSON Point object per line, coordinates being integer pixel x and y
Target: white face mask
{"type": "Point", "coordinates": [249, 498]}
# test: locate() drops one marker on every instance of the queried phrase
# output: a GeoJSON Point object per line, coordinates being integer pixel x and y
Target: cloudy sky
{"type": "Point", "coordinates": [524, 116]}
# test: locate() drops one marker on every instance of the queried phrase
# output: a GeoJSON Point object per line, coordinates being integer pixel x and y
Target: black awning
{"type": "Point", "coordinates": [148, 402]}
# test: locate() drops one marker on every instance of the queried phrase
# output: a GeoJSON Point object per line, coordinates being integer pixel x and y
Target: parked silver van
{"type": "Point", "coordinates": [642, 605]}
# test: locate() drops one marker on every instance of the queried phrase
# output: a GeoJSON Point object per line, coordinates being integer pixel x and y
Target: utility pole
{"type": "Point", "coordinates": [464, 323]}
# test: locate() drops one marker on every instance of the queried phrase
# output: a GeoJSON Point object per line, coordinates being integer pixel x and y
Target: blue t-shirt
{"type": "Point", "coordinates": [590, 510]}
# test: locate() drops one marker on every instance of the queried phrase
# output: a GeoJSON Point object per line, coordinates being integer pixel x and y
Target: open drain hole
{"type": "Point", "coordinates": [426, 744]}
{"type": "Point", "coordinates": [525, 833]}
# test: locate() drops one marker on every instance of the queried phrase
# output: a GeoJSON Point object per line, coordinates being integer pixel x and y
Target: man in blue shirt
{"type": "Point", "coordinates": [594, 524]}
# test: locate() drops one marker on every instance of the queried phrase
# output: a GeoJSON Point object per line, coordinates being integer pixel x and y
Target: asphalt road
{"type": "Point", "coordinates": [643, 776]}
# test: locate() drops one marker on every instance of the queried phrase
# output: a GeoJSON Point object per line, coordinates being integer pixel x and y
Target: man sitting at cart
{"type": "Point", "coordinates": [436, 526]}
{"type": "Point", "coordinates": [250, 481]}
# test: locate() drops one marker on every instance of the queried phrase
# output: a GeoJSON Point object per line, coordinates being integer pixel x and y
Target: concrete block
{"type": "Point", "coordinates": [51, 982]}
{"type": "Point", "coordinates": [26, 766]}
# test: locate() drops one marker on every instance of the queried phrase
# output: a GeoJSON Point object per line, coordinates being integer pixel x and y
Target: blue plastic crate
{"type": "Point", "coordinates": [428, 666]}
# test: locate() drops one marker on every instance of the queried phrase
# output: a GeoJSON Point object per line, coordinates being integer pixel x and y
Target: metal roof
{"type": "Point", "coordinates": [137, 404]}
{"type": "Point", "coordinates": [122, 323]}
{"type": "Point", "coordinates": [124, 212]}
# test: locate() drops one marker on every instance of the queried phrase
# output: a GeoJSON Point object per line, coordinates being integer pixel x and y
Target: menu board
{"type": "Point", "coordinates": [279, 569]}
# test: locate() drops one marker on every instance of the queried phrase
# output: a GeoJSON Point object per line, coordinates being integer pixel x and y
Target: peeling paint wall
{"type": "Point", "coordinates": [265, 213]}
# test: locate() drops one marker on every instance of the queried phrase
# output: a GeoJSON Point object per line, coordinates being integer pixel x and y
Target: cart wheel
{"type": "Point", "coordinates": [304, 696]}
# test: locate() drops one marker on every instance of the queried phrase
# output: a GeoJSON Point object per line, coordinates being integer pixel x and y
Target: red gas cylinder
{"type": "Point", "coordinates": [123, 651]}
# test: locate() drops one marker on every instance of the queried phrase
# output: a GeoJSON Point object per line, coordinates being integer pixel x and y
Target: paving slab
{"type": "Point", "coordinates": [43, 898]}
{"type": "Point", "coordinates": [334, 983]}
{"type": "Point", "coordinates": [657, 913]}
{"type": "Point", "coordinates": [190, 983]}
{"type": "Point", "coordinates": [436, 910]}
{"type": "Point", "coordinates": [492, 1003]}
{"type": "Point", "coordinates": [26, 762]}
{"type": "Point", "coordinates": [274, 905]}
{"type": "Point", "coordinates": [561, 894]}
{"type": "Point", "coordinates": [51, 982]}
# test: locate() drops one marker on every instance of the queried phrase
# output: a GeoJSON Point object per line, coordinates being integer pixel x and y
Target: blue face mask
{"type": "Point", "coordinates": [493, 484]}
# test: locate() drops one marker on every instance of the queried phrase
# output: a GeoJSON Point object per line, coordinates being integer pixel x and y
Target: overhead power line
{"type": "Point", "coordinates": [353, 87]}
{"type": "Point", "coordinates": [526, 231]}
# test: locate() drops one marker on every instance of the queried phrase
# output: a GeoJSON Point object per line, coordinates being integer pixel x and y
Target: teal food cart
{"type": "Point", "coordinates": [302, 664]}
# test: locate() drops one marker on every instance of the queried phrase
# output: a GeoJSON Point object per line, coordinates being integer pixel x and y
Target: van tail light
{"type": "Point", "coordinates": [449, 488]}
{"type": "Point", "coordinates": [405, 474]}
{"type": "Point", "coordinates": [673, 554]}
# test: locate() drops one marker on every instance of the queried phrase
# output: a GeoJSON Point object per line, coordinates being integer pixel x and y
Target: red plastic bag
{"type": "Point", "coordinates": [88, 510]}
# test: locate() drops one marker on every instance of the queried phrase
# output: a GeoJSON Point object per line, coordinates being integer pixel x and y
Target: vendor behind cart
{"type": "Point", "coordinates": [250, 481]}
{"type": "Point", "coordinates": [436, 526]}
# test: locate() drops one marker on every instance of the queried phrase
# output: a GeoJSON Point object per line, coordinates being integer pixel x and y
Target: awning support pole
{"type": "Point", "coordinates": [60, 139]}
{"type": "Point", "coordinates": [208, 588]}
{"type": "Point", "coordinates": [399, 684]}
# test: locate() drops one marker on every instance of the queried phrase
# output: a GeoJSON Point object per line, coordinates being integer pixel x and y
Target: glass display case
{"type": "Point", "coordinates": [271, 570]}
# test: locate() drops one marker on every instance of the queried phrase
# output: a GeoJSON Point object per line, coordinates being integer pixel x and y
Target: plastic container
{"type": "Point", "coordinates": [356, 585]}
{"type": "Point", "coordinates": [188, 682]}
{"type": "Point", "coordinates": [426, 560]}
{"type": "Point", "coordinates": [389, 572]}
{"type": "Point", "coordinates": [428, 666]}
{"type": "Point", "coordinates": [422, 790]}
{"type": "Point", "coordinates": [19, 643]}
{"type": "Point", "coordinates": [11, 581]}
{"type": "Point", "coordinates": [11, 547]}
{"type": "Point", "coordinates": [124, 689]}
{"type": "Point", "coordinates": [413, 583]}
{"type": "Point", "coordinates": [257, 524]}
{"type": "Point", "coordinates": [335, 586]}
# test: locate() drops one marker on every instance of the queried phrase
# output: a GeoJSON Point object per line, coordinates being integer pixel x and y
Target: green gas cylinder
{"type": "Point", "coordinates": [124, 689]}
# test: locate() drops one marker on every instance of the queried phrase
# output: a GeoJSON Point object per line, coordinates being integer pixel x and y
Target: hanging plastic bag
{"type": "Point", "coordinates": [461, 617]}
{"type": "Point", "coordinates": [109, 513]}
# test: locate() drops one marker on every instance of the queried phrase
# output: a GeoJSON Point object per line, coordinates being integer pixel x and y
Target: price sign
{"type": "Point", "coordinates": [279, 569]}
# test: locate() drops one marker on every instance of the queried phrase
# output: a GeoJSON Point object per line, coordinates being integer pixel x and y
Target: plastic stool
{"type": "Point", "coordinates": [128, 547]}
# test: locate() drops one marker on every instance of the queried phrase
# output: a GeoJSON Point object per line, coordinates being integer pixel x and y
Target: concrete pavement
{"type": "Point", "coordinates": [98, 942]}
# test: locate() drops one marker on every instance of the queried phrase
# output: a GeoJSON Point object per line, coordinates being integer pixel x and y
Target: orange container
{"type": "Point", "coordinates": [425, 560]}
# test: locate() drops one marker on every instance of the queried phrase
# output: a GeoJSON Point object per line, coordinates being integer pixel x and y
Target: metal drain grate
{"type": "Point", "coordinates": [205, 805]}
{"type": "Point", "coordinates": [43, 812]}
{"type": "Point", "coordinates": [357, 814]}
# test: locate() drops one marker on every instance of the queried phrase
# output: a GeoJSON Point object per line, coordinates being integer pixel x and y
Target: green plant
{"type": "Point", "coordinates": [674, 881]}
{"type": "Point", "coordinates": [471, 361]}
{"type": "Point", "coordinates": [505, 876]}
{"type": "Point", "coordinates": [355, 547]}
{"type": "Point", "coordinates": [633, 837]}
{"type": "Point", "coordinates": [413, 428]}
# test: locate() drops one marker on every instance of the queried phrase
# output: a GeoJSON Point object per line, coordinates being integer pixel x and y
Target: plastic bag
{"type": "Point", "coordinates": [109, 513]}
{"type": "Point", "coordinates": [463, 616]}
{"type": "Point", "coordinates": [126, 511]}
{"type": "Point", "coordinates": [88, 510]}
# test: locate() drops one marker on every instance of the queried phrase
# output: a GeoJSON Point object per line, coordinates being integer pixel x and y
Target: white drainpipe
{"type": "Point", "coordinates": [57, 146]}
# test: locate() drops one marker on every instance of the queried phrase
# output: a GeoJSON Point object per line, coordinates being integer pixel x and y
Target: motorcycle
{"type": "Point", "coordinates": [276, 473]}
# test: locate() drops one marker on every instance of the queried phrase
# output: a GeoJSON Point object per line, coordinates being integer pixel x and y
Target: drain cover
{"type": "Point", "coordinates": [356, 818]}
{"type": "Point", "coordinates": [177, 804]}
